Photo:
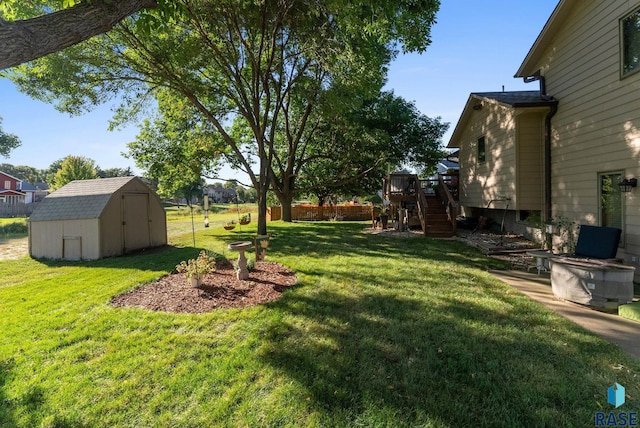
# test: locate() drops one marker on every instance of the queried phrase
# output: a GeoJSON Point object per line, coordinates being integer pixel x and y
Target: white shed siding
{"type": "Point", "coordinates": [111, 227]}
{"type": "Point", "coordinates": [90, 215]}
{"type": "Point", "coordinates": [597, 125]}
{"type": "Point", "coordinates": [88, 231]}
{"type": "Point", "coordinates": [45, 239]}
{"type": "Point", "coordinates": [48, 237]}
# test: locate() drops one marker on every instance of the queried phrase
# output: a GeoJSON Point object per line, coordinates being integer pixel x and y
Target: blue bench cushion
{"type": "Point", "coordinates": [598, 242]}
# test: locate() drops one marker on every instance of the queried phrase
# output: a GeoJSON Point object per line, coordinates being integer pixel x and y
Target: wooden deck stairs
{"type": "Point", "coordinates": [439, 225]}
{"type": "Point", "coordinates": [434, 199]}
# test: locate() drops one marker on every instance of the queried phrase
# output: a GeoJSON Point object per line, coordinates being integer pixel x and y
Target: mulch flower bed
{"type": "Point", "coordinates": [219, 290]}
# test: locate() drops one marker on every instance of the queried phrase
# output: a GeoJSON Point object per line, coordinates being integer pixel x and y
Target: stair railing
{"type": "Point", "coordinates": [421, 199]}
{"type": "Point", "coordinates": [449, 201]}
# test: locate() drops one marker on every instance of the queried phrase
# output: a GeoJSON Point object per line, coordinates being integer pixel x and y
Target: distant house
{"type": "Point", "coordinates": [15, 191]}
{"type": "Point", "coordinates": [92, 219]}
{"type": "Point", "coordinates": [445, 166]}
{"type": "Point", "coordinates": [562, 150]}
{"type": "Point", "coordinates": [29, 191]}
{"type": "Point", "coordinates": [220, 195]}
{"type": "Point", "coordinates": [10, 190]}
{"type": "Point", "coordinates": [42, 190]}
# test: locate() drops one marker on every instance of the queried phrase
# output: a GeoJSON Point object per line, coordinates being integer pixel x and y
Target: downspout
{"type": "Point", "coordinates": [553, 109]}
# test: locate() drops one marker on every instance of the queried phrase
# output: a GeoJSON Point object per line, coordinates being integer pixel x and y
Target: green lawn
{"type": "Point", "coordinates": [4, 221]}
{"type": "Point", "coordinates": [13, 227]}
{"type": "Point", "coordinates": [378, 332]}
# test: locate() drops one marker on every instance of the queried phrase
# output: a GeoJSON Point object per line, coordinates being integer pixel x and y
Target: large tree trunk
{"type": "Point", "coordinates": [321, 207]}
{"type": "Point", "coordinates": [264, 179]}
{"type": "Point", "coordinates": [286, 202]}
{"type": "Point", "coordinates": [262, 212]}
{"type": "Point", "coordinates": [284, 192]}
{"type": "Point", "coordinates": [23, 41]}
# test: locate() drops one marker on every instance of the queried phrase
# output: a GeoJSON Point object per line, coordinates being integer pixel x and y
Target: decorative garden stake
{"type": "Point", "coordinates": [261, 243]}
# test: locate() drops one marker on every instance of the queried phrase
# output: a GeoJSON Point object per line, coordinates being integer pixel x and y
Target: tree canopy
{"type": "Point", "coordinates": [177, 146]}
{"type": "Point", "coordinates": [23, 172]}
{"type": "Point", "coordinates": [354, 151]}
{"type": "Point", "coordinates": [257, 72]}
{"type": "Point", "coordinates": [8, 142]}
{"type": "Point", "coordinates": [74, 168]}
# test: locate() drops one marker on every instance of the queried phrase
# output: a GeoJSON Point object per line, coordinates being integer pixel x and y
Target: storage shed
{"type": "Point", "coordinates": [92, 219]}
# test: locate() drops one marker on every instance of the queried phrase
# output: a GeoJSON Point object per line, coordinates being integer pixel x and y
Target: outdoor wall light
{"type": "Point", "coordinates": [627, 184]}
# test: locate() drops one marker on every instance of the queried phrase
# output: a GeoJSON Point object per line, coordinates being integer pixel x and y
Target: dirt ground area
{"type": "Point", "coordinates": [14, 248]}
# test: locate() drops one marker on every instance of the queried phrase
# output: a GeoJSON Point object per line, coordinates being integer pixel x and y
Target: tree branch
{"type": "Point", "coordinates": [26, 40]}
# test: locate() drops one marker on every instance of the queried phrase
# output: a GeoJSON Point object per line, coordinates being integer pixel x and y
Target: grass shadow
{"type": "Point", "coordinates": [325, 239]}
{"type": "Point", "coordinates": [450, 365]}
{"type": "Point", "coordinates": [422, 336]}
{"type": "Point", "coordinates": [160, 258]}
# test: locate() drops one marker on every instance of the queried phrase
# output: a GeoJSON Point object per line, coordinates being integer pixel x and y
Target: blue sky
{"type": "Point", "coordinates": [477, 46]}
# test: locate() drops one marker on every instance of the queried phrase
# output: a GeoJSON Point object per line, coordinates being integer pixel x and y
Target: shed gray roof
{"type": "Point", "coordinates": [80, 199]}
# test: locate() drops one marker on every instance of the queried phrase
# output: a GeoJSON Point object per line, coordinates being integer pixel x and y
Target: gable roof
{"type": "Point", "coordinates": [42, 186]}
{"type": "Point", "coordinates": [10, 176]}
{"type": "Point", "coordinates": [449, 164]}
{"type": "Point", "coordinates": [79, 199]}
{"type": "Point", "coordinates": [514, 99]}
{"type": "Point", "coordinates": [26, 187]}
{"type": "Point", "coordinates": [4, 192]}
{"type": "Point", "coordinates": [556, 20]}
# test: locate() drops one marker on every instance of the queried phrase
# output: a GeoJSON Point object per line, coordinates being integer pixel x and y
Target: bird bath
{"type": "Point", "coordinates": [241, 247]}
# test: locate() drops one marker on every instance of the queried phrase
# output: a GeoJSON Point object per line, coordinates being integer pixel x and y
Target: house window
{"type": "Point", "coordinates": [631, 43]}
{"type": "Point", "coordinates": [482, 153]}
{"type": "Point", "coordinates": [7, 184]}
{"type": "Point", "coordinates": [611, 201]}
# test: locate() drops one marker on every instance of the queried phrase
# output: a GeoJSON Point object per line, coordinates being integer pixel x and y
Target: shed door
{"type": "Point", "coordinates": [136, 221]}
{"type": "Point", "coordinates": [71, 248]}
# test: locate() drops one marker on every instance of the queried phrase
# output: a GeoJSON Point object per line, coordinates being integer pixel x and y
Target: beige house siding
{"type": "Point", "coordinates": [529, 168]}
{"type": "Point", "coordinates": [597, 127]}
{"type": "Point", "coordinates": [483, 181]}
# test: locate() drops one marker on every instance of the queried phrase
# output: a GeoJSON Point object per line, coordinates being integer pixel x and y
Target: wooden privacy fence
{"type": "Point", "coordinates": [16, 210]}
{"type": "Point", "coordinates": [310, 212]}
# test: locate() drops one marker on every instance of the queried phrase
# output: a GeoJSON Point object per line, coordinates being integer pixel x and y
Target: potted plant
{"type": "Point", "coordinates": [230, 225]}
{"type": "Point", "coordinates": [195, 269]}
{"type": "Point", "coordinates": [245, 219]}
